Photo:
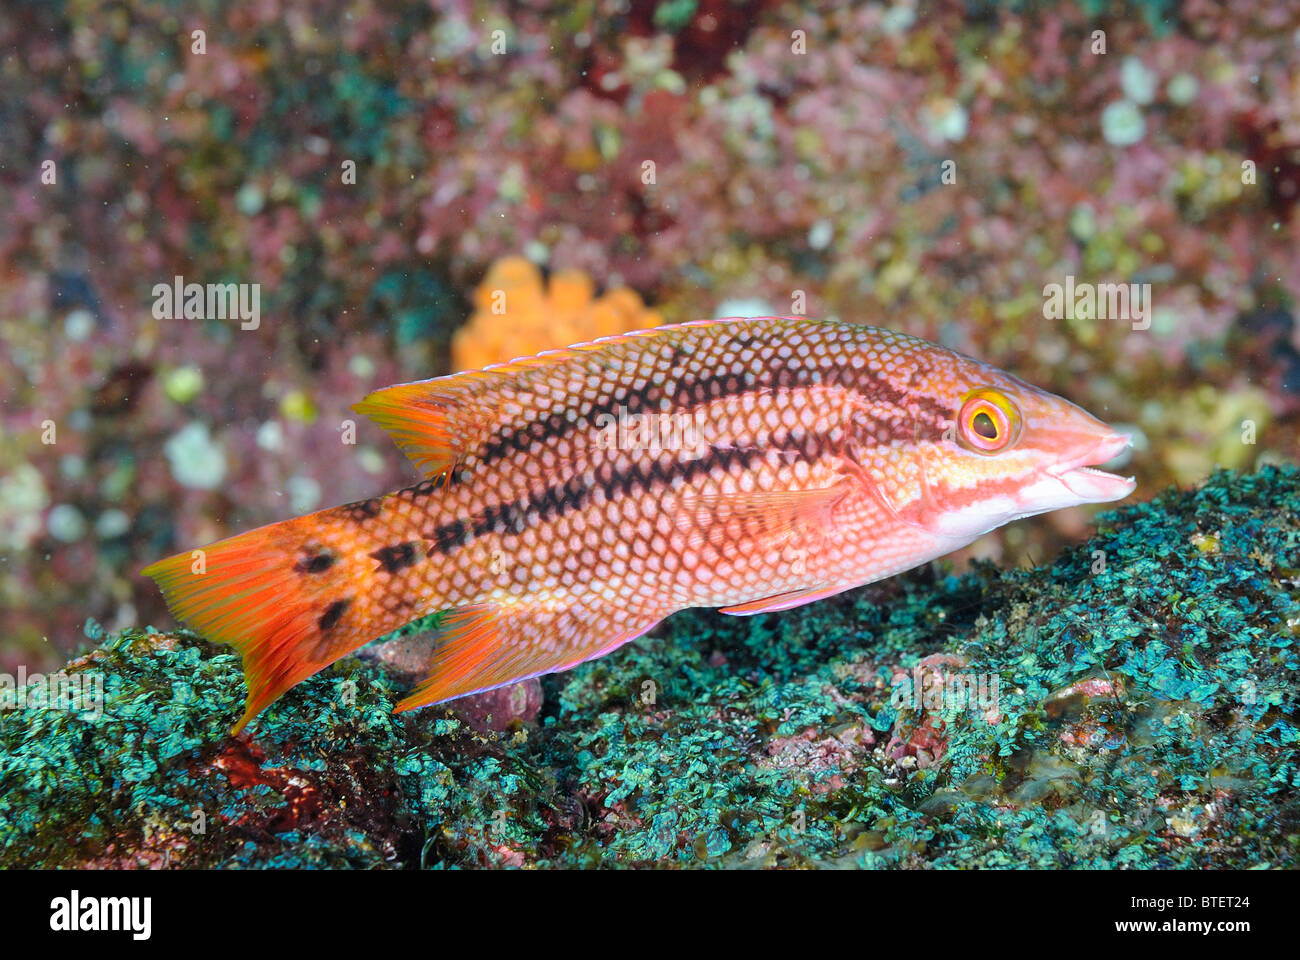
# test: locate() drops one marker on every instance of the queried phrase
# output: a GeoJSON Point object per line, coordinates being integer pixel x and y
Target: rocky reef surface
{"type": "Point", "coordinates": [1133, 703]}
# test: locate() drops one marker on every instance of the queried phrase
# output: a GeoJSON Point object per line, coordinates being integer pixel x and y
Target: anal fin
{"type": "Point", "coordinates": [491, 645]}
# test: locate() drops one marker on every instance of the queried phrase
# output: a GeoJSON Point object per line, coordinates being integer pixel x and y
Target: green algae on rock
{"type": "Point", "coordinates": [1137, 707]}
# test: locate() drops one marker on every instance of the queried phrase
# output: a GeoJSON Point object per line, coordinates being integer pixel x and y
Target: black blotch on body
{"type": "Point", "coordinates": [333, 614]}
{"type": "Point", "coordinates": [315, 562]}
{"type": "Point", "coordinates": [450, 535]}
{"type": "Point", "coordinates": [396, 557]}
{"type": "Point", "coordinates": [362, 510]}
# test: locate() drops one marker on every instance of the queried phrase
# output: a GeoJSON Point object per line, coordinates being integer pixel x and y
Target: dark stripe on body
{"type": "Point", "coordinates": [574, 494]}
{"type": "Point", "coordinates": [693, 391]}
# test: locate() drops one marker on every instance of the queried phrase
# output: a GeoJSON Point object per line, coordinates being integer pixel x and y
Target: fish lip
{"type": "Point", "coordinates": [1091, 485]}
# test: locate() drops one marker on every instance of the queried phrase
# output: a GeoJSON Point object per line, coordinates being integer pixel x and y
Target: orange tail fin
{"type": "Point", "coordinates": [291, 597]}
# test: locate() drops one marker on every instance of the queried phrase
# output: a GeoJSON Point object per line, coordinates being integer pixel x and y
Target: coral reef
{"type": "Point", "coordinates": [1132, 704]}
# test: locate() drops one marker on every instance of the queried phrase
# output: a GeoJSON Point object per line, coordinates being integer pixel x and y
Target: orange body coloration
{"type": "Point", "coordinates": [576, 498]}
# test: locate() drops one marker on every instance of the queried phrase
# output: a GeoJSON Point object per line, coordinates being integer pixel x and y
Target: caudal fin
{"type": "Point", "coordinates": [288, 596]}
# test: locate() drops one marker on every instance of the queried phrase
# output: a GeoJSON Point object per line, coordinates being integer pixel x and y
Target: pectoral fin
{"type": "Point", "coordinates": [760, 515]}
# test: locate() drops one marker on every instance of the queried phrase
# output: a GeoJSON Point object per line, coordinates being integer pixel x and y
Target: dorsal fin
{"type": "Point", "coordinates": [428, 419]}
{"type": "Point", "coordinates": [438, 422]}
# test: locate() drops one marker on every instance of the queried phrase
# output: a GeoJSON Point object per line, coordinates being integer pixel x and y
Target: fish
{"type": "Point", "coordinates": [572, 500]}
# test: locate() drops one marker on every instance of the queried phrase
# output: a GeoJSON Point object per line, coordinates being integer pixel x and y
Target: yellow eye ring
{"type": "Point", "coordinates": [988, 421]}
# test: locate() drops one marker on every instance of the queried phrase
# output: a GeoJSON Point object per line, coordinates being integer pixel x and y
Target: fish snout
{"type": "Point", "coordinates": [1079, 473]}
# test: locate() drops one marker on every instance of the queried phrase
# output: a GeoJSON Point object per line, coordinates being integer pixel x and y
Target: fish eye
{"type": "Point", "coordinates": [988, 421]}
{"type": "Point", "coordinates": [983, 424]}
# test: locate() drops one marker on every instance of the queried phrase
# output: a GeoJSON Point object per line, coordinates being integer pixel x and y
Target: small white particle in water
{"type": "Point", "coordinates": [65, 523]}
{"type": "Point", "coordinates": [196, 460]}
{"type": "Point", "coordinates": [79, 324]}
{"type": "Point", "coordinates": [371, 460]}
{"type": "Point", "coordinates": [111, 523]}
{"type": "Point", "coordinates": [1138, 83]}
{"type": "Point", "coordinates": [270, 435]}
{"type": "Point", "coordinates": [1182, 89]}
{"type": "Point", "coordinates": [745, 307]}
{"type": "Point", "coordinates": [304, 493]}
{"type": "Point", "coordinates": [819, 237]}
{"type": "Point", "coordinates": [361, 366]}
{"type": "Point", "coordinates": [1122, 123]}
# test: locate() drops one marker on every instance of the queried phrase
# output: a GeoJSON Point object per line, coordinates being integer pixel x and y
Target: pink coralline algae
{"type": "Point", "coordinates": [826, 759]}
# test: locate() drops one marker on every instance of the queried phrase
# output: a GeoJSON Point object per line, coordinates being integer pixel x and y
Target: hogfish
{"type": "Point", "coordinates": [574, 499]}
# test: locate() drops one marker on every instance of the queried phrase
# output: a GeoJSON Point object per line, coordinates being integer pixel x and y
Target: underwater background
{"type": "Point", "coordinates": [380, 169]}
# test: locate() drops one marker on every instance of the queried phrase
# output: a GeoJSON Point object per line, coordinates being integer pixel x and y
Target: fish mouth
{"type": "Point", "coordinates": [1090, 485]}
